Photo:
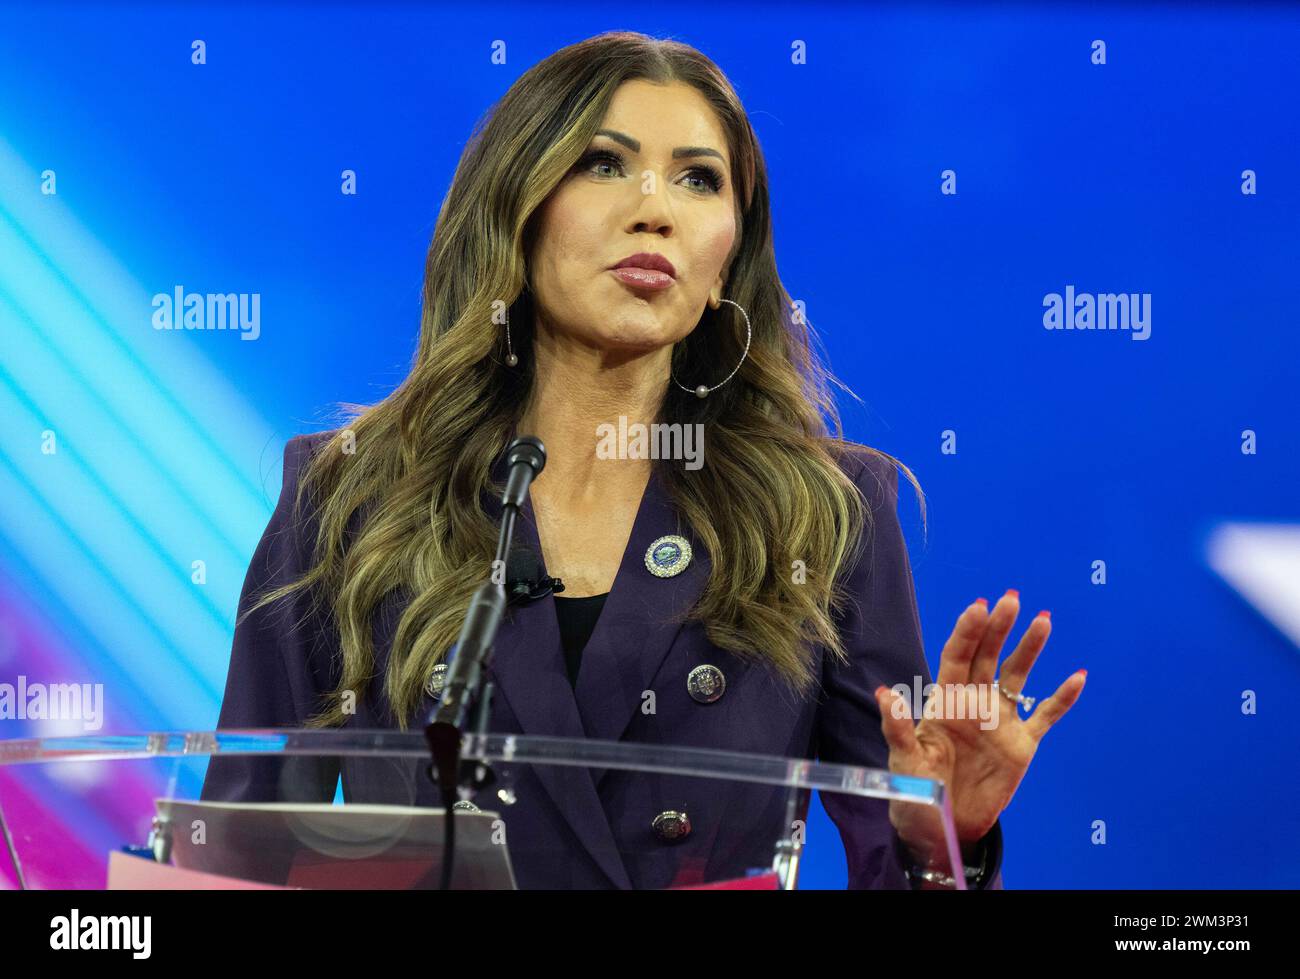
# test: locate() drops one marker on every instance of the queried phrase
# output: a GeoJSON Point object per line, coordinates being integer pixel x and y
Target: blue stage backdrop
{"type": "Point", "coordinates": [943, 179]}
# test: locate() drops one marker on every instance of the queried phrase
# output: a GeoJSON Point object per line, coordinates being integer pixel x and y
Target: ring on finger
{"type": "Point", "coordinates": [1015, 695]}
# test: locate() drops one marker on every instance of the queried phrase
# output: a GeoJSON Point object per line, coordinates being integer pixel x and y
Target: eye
{"type": "Point", "coordinates": [711, 178]}
{"type": "Point", "coordinates": [709, 175]}
{"type": "Point", "coordinates": [602, 157]}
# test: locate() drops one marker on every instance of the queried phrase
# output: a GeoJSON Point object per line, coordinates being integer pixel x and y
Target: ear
{"type": "Point", "coordinates": [715, 293]}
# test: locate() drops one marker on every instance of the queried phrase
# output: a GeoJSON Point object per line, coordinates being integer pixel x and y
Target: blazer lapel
{"type": "Point", "coordinates": [639, 622]}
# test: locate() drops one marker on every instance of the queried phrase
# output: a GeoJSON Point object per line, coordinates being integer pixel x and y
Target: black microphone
{"type": "Point", "coordinates": [526, 457]}
{"type": "Point", "coordinates": [526, 577]}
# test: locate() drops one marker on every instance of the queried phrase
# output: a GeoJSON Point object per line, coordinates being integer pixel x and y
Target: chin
{"type": "Point", "coordinates": [638, 341]}
{"type": "Point", "coordinates": [634, 335]}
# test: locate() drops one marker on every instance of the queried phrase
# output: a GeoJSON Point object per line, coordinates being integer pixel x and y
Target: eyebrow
{"type": "Point", "coordinates": [635, 145]}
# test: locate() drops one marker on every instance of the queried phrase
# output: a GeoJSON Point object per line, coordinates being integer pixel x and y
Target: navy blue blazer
{"type": "Point", "coordinates": [579, 828]}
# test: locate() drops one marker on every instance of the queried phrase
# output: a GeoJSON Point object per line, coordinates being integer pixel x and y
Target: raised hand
{"type": "Point", "coordinates": [972, 736]}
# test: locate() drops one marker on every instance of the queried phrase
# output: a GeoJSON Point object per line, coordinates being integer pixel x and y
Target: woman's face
{"type": "Point", "coordinates": [656, 179]}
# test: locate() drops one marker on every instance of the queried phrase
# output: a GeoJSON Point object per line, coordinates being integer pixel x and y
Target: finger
{"type": "Point", "coordinates": [959, 650]}
{"type": "Point", "coordinates": [984, 666]}
{"type": "Point", "coordinates": [1015, 668]}
{"type": "Point", "coordinates": [1055, 707]}
{"type": "Point", "coordinates": [896, 722]}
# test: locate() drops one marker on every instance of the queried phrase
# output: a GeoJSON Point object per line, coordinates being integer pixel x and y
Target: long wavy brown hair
{"type": "Point", "coordinates": [771, 493]}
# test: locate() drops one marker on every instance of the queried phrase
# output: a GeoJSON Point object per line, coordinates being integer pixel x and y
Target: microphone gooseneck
{"type": "Point", "coordinates": [461, 691]}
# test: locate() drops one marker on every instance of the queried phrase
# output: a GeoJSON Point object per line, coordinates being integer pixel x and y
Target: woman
{"type": "Point", "coordinates": [604, 260]}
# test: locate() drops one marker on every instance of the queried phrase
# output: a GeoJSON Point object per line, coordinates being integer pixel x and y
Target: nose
{"type": "Point", "coordinates": [651, 211]}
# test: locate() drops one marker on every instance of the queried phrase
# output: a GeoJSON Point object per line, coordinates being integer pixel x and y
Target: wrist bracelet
{"type": "Point", "coordinates": [975, 876]}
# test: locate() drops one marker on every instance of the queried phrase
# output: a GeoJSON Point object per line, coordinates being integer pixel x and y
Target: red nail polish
{"type": "Point", "coordinates": [1084, 672]}
{"type": "Point", "coordinates": [1012, 591]}
{"type": "Point", "coordinates": [982, 601]}
{"type": "Point", "coordinates": [1045, 614]}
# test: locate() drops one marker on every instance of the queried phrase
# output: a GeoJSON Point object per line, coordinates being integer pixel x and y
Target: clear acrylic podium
{"type": "Point", "coordinates": [357, 809]}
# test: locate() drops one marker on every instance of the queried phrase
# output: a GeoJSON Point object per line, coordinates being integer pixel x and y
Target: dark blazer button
{"type": "Point", "coordinates": [706, 684]}
{"type": "Point", "coordinates": [671, 826]}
